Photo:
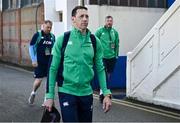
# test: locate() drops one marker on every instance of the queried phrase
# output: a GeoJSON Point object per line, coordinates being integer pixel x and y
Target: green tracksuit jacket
{"type": "Point", "coordinates": [110, 41]}
{"type": "Point", "coordinates": [78, 65]}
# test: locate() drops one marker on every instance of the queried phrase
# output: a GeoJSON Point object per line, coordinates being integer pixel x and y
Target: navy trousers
{"type": "Point", "coordinates": [76, 108]}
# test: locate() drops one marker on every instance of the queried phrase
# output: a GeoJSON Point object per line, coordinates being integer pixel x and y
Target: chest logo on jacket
{"type": "Point", "coordinates": [47, 42]}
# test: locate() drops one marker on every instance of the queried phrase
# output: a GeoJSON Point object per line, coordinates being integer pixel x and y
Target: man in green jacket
{"type": "Point", "coordinates": [75, 94]}
{"type": "Point", "coordinates": [109, 39]}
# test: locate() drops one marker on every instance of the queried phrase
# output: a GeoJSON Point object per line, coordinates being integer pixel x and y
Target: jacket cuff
{"type": "Point", "coordinates": [107, 92]}
{"type": "Point", "coordinates": [49, 96]}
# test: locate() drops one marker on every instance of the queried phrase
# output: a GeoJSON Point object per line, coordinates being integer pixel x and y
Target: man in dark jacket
{"type": "Point", "coordinates": [40, 51]}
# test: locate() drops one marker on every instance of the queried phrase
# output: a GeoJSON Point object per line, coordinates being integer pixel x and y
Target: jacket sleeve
{"type": "Point", "coordinates": [32, 48]}
{"type": "Point", "coordinates": [100, 68]}
{"type": "Point", "coordinates": [98, 33]}
{"type": "Point", "coordinates": [56, 53]}
{"type": "Point", "coordinates": [117, 44]}
{"type": "Point", "coordinates": [32, 54]}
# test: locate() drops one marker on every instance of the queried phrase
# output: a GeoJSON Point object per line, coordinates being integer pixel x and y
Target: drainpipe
{"type": "Point", "coordinates": [81, 2]}
{"type": "Point", "coordinates": [19, 35]}
{"type": "Point", "coordinates": [36, 16]}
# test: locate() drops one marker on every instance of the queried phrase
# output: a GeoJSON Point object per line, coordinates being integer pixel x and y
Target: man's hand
{"type": "Point", "coordinates": [48, 104]}
{"type": "Point", "coordinates": [107, 103]}
{"type": "Point", "coordinates": [34, 64]}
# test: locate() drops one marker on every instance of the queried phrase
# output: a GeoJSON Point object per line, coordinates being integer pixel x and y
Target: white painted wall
{"type": "Point", "coordinates": [153, 68]}
{"type": "Point", "coordinates": [71, 5]}
{"type": "Point", "coordinates": [61, 5]}
{"type": "Point", "coordinates": [132, 23]}
{"type": "Point", "coordinates": [57, 28]}
{"type": "Point", "coordinates": [0, 5]}
{"type": "Point", "coordinates": [66, 7]}
{"type": "Point", "coordinates": [50, 11]}
{"type": "Point", "coordinates": [94, 17]}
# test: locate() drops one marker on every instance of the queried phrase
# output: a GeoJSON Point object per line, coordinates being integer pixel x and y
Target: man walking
{"type": "Point", "coordinates": [109, 39]}
{"type": "Point", "coordinates": [75, 94]}
{"type": "Point", "coordinates": [40, 51]}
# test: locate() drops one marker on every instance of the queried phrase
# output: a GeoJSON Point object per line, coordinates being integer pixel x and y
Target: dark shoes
{"type": "Point", "coordinates": [101, 98]}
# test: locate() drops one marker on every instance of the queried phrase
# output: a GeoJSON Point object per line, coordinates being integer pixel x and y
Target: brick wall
{"type": "Point", "coordinates": [18, 27]}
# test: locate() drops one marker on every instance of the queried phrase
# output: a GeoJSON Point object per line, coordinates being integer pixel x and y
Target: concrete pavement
{"type": "Point", "coordinates": [16, 85]}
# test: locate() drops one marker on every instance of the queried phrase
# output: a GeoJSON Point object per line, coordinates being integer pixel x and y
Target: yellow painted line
{"type": "Point", "coordinates": [143, 108]}
{"type": "Point", "coordinates": [152, 108]}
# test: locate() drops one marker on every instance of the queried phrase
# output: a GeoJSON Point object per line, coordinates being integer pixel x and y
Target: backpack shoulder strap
{"type": "Point", "coordinates": [59, 77]}
{"type": "Point", "coordinates": [52, 37]}
{"type": "Point", "coordinates": [39, 37]}
{"type": "Point", "coordinates": [93, 40]}
{"type": "Point", "coordinates": [65, 41]}
{"type": "Point", "coordinates": [37, 40]}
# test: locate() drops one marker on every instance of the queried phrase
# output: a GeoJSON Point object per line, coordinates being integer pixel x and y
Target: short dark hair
{"type": "Point", "coordinates": [74, 11]}
{"type": "Point", "coordinates": [109, 16]}
{"type": "Point", "coordinates": [47, 21]}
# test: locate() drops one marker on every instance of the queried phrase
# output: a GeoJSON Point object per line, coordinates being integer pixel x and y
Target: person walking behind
{"type": "Point", "coordinates": [109, 39]}
{"type": "Point", "coordinates": [40, 51]}
{"type": "Point", "coordinates": [76, 94]}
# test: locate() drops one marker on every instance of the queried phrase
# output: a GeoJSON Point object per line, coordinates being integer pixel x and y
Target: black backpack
{"type": "Point", "coordinates": [59, 77]}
